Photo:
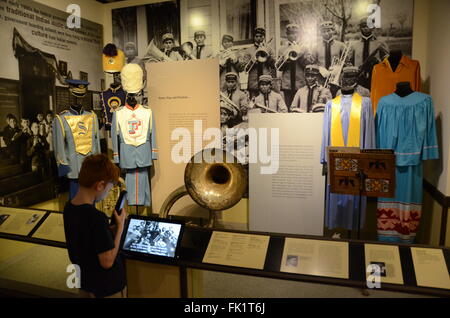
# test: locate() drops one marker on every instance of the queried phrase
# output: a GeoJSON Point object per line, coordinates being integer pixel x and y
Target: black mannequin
{"type": "Point", "coordinates": [131, 99]}
{"type": "Point", "coordinates": [394, 59]}
{"type": "Point", "coordinates": [403, 89]}
{"type": "Point", "coordinates": [117, 80]}
{"type": "Point", "coordinates": [77, 107]}
{"type": "Point", "coordinates": [348, 90]}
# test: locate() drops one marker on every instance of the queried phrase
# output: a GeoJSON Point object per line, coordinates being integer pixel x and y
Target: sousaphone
{"type": "Point", "coordinates": [214, 179]}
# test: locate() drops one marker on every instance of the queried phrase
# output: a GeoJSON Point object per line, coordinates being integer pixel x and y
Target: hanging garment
{"type": "Point", "coordinates": [384, 79]}
{"type": "Point", "coordinates": [75, 136]}
{"type": "Point", "coordinates": [138, 187]}
{"type": "Point", "coordinates": [407, 125]}
{"type": "Point", "coordinates": [112, 100]}
{"type": "Point", "coordinates": [133, 132]}
{"type": "Point", "coordinates": [348, 122]}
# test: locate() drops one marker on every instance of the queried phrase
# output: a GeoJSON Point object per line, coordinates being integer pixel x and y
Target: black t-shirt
{"type": "Point", "coordinates": [87, 235]}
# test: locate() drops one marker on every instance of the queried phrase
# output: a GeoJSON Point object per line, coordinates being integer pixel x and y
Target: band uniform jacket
{"type": "Point", "coordinates": [273, 101]}
{"type": "Point", "coordinates": [304, 59]}
{"type": "Point", "coordinates": [75, 136]}
{"type": "Point", "coordinates": [374, 45]}
{"type": "Point", "coordinates": [174, 55]}
{"type": "Point", "coordinates": [336, 49]}
{"type": "Point", "coordinates": [320, 95]}
{"type": "Point", "coordinates": [133, 132]}
{"type": "Point", "coordinates": [228, 67]}
{"type": "Point", "coordinates": [112, 99]}
{"type": "Point", "coordinates": [258, 69]}
{"type": "Point", "coordinates": [205, 52]}
{"type": "Point", "coordinates": [239, 98]}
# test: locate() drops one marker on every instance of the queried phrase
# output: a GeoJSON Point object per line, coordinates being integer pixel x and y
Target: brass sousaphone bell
{"type": "Point", "coordinates": [214, 179]}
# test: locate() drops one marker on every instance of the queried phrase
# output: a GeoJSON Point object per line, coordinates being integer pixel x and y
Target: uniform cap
{"type": "Point", "coordinates": [167, 36]}
{"type": "Point", "coordinates": [227, 37]}
{"type": "Point", "coordinates": [265, 78]}
{"type": "Point", "coordinates": [327, 25]}
{"type": "Point", "coordinates": [231, 75]}
{"type": "Point", "coordinates": [292, 27]}
{"type": "Point", "coordinates": [312, 69]}
{"type": "Point", "coordinates": [198, 33]}
{"type": "Point", "coordinates": [261, 31]}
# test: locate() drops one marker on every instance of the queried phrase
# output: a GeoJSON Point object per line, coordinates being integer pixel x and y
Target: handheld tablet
{"type": "Point", "coordinates": [146, 236]}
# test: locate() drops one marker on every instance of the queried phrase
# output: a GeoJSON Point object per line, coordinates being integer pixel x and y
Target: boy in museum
{"type": "Point", "coordinates": [92, 243]}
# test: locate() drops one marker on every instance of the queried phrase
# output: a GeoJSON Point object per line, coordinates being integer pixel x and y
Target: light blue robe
{"type": "Point", "coordinates": [342, 210]}
{"type": "Point", "coordinates": [407, 125]}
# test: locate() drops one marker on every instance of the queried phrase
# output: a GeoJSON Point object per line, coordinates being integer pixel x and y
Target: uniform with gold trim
{"type": "Point", "coordinates": [75, 134]}
{"type": "Point", "coordinates": [112, 99]}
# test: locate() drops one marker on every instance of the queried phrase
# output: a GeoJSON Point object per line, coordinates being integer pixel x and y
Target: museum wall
{"type": "Point", "coordinates": [430, 46]}
{"type": "Point", "coordinates": [90, 10]}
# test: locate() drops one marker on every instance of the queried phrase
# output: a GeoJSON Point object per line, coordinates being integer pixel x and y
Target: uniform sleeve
{"type": "Point", "coordinates": [114, 133]}
{"type": "Point", "coordinates": [153, 145]}
{"type": "Point", "coordinates": [373, 88]}
{"type": "Point", "coordinates": [282, 105]}
{"type": "Point", "coordinates": [96, 149]}
{"type": "Point", "coordinates": [418, 82]}
{"type": "Point", "coordinates": [369, 126]}
{"type": "Point", "coordinates": [296, 101]}
{"type": "Point", "coordinates": [430, 148]}
{"type": "Point", "coordinates": [325, 133]}
{"type": "Point", "coordinates": [102, 236]}
{"type": "Point", "coordinates": [60, 147]}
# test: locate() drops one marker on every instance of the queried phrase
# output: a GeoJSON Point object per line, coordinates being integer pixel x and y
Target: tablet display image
{"type": "Point", "coordinates": [152, 237]}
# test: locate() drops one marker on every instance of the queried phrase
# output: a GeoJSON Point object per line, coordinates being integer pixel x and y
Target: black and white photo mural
{"type": "Point", "coordinates": [40, 53]}
{"type": "Point", "coordinates": [272, 53]}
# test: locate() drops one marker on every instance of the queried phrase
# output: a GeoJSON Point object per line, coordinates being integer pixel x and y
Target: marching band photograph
{"type": "Point", "coordinates": [314, 48]}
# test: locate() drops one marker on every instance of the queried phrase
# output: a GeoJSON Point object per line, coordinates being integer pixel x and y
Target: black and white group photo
{"type": "Point", "coordinates": [293, 64]}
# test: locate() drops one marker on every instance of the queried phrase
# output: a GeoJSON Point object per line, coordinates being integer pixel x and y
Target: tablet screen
{"type": "Point", "coordinates": [152, 237]}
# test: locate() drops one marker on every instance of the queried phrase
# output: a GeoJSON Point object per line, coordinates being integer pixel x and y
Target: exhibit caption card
{"type": "Point", "coordinates": [18, 221]}
{"type": "Point", "coordinates": [52, 229]}
{"type": "Point", "coordinates": [314, 257]}
{"type": "Point", "coordinates": [430, 267]}
{"type": "Point", "coordinates": [387, 258]}
{"type": "Point", "coordinates": [235, 249]}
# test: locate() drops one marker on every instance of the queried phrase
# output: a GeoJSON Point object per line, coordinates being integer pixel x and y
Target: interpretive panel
{"type": "Point", "coordinates": [430, 267]}
{"type": "Point", "coordinates": [387, 258]}
{"type": "Point", "coordinates": [182, 96]}
{"type": "Point", "coordinates": [314, 257]}
{"type": "Point", "coordinates": [234, 249]}
{"type": "Point", "coordinates": [286, 185]}
{"type": "Point", "coordinates": [52, 229]}
{"type": "Point", "coordinates": [19, 221]}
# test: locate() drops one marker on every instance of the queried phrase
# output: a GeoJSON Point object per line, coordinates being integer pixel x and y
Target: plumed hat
{"type": "Point", "coordinates": [113, 58]}
{"type": "Point", "coordinates": [131, 76]}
